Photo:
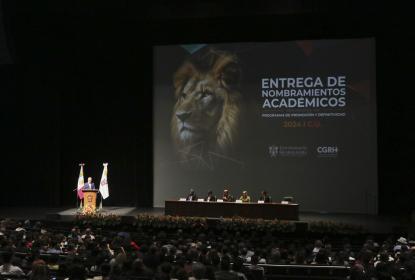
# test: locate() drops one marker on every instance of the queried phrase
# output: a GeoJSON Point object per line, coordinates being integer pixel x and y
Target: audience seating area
{"type": "Point", "coordinates": [38, 250]}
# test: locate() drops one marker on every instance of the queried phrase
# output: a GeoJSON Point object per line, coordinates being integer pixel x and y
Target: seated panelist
{"type": "Point", "coordinates": [191, 196]}
{"type": "Point", "coordinates": [265, 197]}
{"type": "Point", "coordinates": [210, 196]}
{"type": "Point", "coordinates": [245, 197]}
{"type": "Point", "coordinates": [226, 196]}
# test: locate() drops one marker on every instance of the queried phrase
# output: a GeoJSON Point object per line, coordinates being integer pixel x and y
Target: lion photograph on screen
{"type": "Point", "coordinates": [207, 109]}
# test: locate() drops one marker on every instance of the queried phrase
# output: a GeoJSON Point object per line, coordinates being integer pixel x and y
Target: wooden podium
{"type": "Point", "coordinates": [90, 201]}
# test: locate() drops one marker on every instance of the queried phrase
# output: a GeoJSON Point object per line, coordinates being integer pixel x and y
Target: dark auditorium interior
{"type": "Point", "coordinates": [78, 81]}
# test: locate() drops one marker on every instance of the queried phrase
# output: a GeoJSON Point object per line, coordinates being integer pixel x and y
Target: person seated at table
{"type": "Point", "coordinates": [210, 196]}
{"type": "Point", "coordinates": [191, 196]}
{"type": "Point", "coordinates": [265, 197]}
{"type": "Point", "coordinates": [245, 197]}
{"type": "Point", "coordinates": [226, 196]}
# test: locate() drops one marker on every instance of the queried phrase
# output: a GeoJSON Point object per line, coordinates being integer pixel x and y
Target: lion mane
{"type": "Point", "coordinates": [208, 104]}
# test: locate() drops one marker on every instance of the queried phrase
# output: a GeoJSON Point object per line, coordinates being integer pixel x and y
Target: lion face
{"type": "Point", "coordinates": [206, 112]}
{"type": "Point", "coordinates": [198, 108]}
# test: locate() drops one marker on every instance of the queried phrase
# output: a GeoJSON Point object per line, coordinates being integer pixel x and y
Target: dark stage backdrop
{"type": "Point", "coordinates": [5, 57]}
{"type": "Point", "coordinates": [294, 118]}
{"type": "Point", "coordinates": [76, 93]}
{"type": "Point", "coordinates": [80, 88]}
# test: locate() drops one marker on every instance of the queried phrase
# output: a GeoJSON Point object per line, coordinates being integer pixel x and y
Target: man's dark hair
{"type": "Point", "coordinates": [214, 258]}
{"type": "Point", "coordinates": [321, 257]}
{"type": "Point", "coordinates": [225, 263]}
{"type": "Point", "coordinates": [77, 272]}
{"type": "Point", "coordinates": [254, 259]}
{"type": "Point", "coordinates": [238, 264]}
{"type": "Point", "coordinates": [7, 256]}
{"type": "Point", "coordinates": [199, 270]}
{"type": "Point", "coordinates": [105, 269]}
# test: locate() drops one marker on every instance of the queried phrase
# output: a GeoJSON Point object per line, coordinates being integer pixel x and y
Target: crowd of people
{"type": "Point", "coordinates": [37, 251]}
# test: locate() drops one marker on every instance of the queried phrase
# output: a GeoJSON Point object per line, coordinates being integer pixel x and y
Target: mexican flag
{"type": "Point", "coordinates": [81, 182]}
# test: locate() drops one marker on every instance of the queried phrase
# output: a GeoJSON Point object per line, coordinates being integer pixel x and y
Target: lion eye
{"type": "Point", "coordinates": [183, 95]}
{"type": "Point", "coordinates": [206, 94]}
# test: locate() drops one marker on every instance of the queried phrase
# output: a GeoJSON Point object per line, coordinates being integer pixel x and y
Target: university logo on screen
{"type": "Point", "coordinates": [287, 151]}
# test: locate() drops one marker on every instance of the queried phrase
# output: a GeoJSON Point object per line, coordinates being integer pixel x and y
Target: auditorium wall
{"type": "Point", "coordinates": [80, 89]}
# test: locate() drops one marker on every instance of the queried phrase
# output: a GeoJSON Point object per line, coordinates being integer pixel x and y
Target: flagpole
{"type": "Point", "coordinates": [100, 205]}
{"type": "Point", "coordinates": [76, 196]}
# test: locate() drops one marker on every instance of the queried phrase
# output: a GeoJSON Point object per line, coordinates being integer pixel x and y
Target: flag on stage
{"type": "Point", "coordinates": [81, 182]}
{"type": "Point", "coordinates": [103, 185]}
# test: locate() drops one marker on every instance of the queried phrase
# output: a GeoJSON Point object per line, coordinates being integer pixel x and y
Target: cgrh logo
{"type": "Point", "coordinates": [327, 151]}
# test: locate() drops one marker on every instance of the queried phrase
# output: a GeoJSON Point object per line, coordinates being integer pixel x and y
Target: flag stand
{"type": "Point", "coordinates": [76, 196]}
{"type": "Point", "coordinates": [100, 204]}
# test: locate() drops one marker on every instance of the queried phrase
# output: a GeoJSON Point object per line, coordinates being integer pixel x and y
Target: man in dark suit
{"type": "Point", "coordinates": [265, 197]}
{"type": "Point", "coordinates": [89, 185]}
{"type": "Point", "coordinates": [191, 196]}
{"type": "Point", "coordinates": [210, 196]}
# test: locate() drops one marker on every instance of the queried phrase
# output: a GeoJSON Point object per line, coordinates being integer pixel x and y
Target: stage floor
{"type": "Point", "coordinates": [67, 214]}
{"type": "Point", "coordinates": [372, 223]}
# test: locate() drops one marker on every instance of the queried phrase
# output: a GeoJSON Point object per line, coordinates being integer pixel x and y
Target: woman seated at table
{"type": "Point", "coordinates": [226, 196]}
{"type": "Point", "coordinates": [210, 196]}
{"type": "Point", "coordinates": [245, 197]}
